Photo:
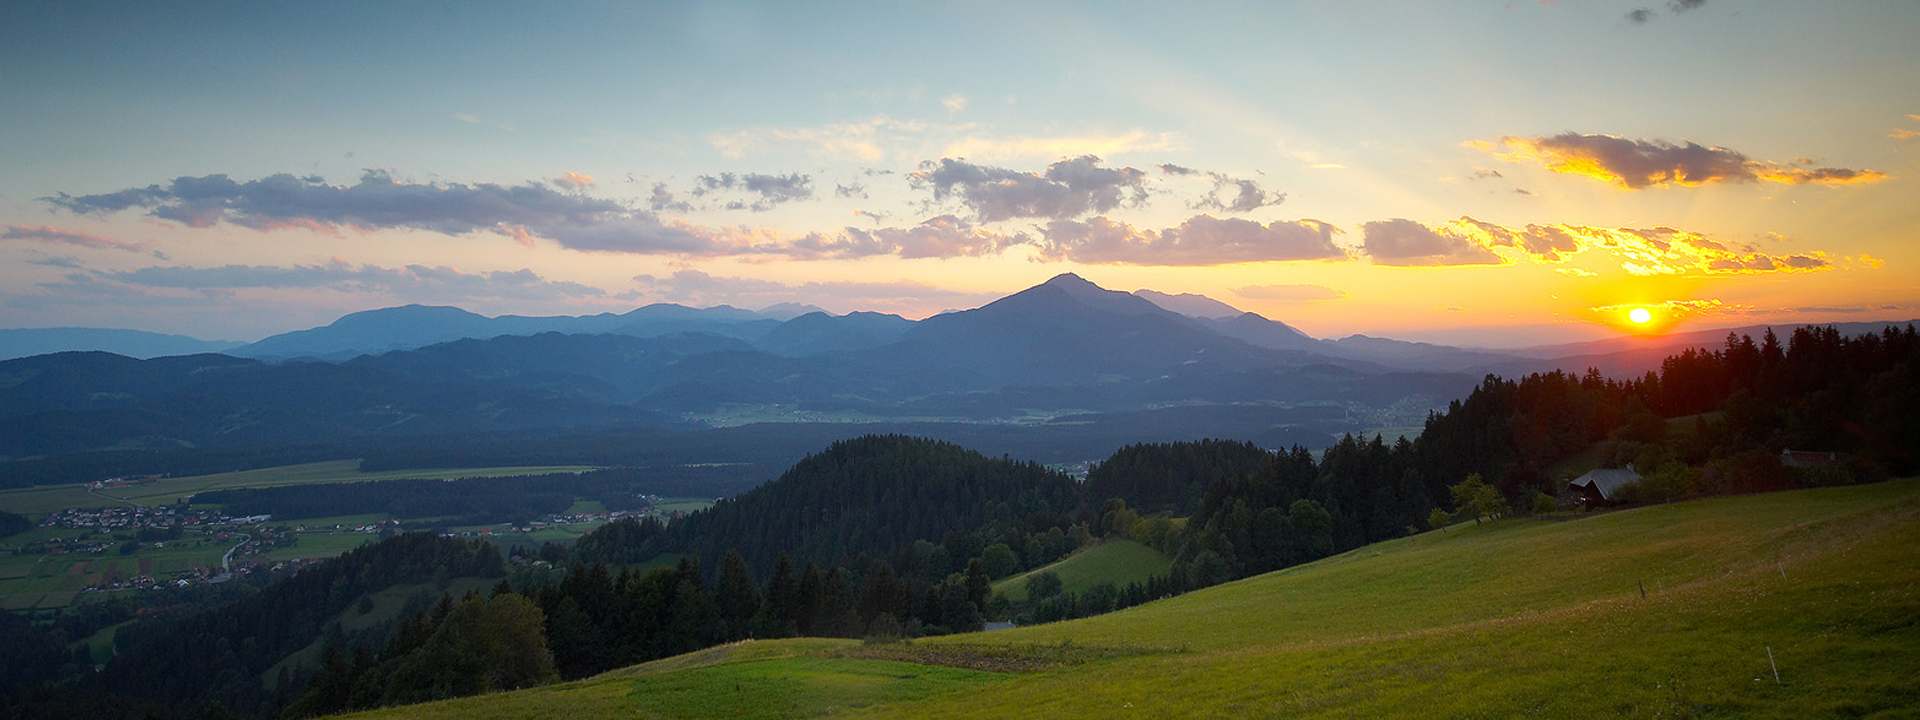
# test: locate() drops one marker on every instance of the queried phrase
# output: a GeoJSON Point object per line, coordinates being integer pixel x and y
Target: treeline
{"type": "Point", "coordinates": [216, 656]}
{"type": "Point", "coordinates": [477, 646]}
{"type": "Point", "coordinates": [1752, 400]}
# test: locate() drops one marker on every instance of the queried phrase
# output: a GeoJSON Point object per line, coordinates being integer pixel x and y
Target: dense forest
{"type": "Point", "coordinates": [888, 536]}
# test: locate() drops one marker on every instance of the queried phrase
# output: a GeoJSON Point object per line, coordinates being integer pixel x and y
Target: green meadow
{"type": "Point", "coordinates": [1116, 561]}
{"type": "Point", "coordinates": [1673, 611]}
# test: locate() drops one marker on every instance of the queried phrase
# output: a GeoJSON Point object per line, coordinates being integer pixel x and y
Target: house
{"type": "Point", "coordinates": [1806, 459]}
{"type": "Point", "coordinates": [1599, 485]}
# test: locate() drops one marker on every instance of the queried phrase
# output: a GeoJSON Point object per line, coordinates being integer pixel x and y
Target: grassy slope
{"type": "Point", "coordinates": [1518, 618]}
{"type": "Point", "coordinates": [1116, 561]}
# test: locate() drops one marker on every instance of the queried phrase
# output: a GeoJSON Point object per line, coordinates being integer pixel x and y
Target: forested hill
{"type": "Point", "coordinates": [872, 495]}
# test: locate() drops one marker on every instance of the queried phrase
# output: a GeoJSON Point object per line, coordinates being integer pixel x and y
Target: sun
{"type": "Point", "coordinates": [1640, 316]}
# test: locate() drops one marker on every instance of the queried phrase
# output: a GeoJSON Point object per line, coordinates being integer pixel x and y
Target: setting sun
{"type": "Point", "coordinates": [1640, 316]}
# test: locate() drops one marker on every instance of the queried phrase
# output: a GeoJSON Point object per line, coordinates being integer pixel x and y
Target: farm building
{"type": "Point", "coordinates": [1599, 485]}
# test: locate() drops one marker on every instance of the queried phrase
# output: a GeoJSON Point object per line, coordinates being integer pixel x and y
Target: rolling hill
{"type": "Point", "coordinates": [1788, 605]}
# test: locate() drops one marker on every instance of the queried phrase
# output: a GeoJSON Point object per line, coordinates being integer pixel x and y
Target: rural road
{"type": "Point", "coordinates": [226, 561]}
{"type": "Point", "coordinates": [110, 497]}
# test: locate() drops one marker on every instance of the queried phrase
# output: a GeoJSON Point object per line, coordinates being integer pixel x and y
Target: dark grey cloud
{"type": "Point", "coordinates": [1068, 189]}
{"type": "Point", "coordinates": [765, 191]}
{"type": "Point", "coordinates": [1638, 164]}
{"type": "Point", "coordinates": [1200, 240]}
{"type": "Point", "coordinates": [663, 200]}
{"type": "Point", "coordinates": [378, 201]}
{"type": "Point", "coordinates": [59, 261]}
{"type": "Point", "coordinates": [1640, 16]}
{"type": "Point", "coordinates": [854, 190]}
{"type": "Point", "coordinates": [1242, 195]}
{"type": "Point", "coordinates": [1680, 6]}
{"type": "Point", "coordinates": [1405, 242]}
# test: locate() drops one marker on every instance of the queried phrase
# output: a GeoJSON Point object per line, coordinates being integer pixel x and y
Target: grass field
{"type": "Point", "coordinates": [41, 500]}
{"type": "Point", "coordinates": [1518, 618]}
{"type": "Point", "coordinates": [1115, 561]}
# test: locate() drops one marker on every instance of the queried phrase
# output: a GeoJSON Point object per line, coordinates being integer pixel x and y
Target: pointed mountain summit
{"type": "Point", "coordinates": [1066, 331]}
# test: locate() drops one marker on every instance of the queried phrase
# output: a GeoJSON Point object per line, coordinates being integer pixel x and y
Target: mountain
{"type": "Point", "coordinates": [415, 326]}
{"type": "Point", "coordinates": [1190, 305]}
{"type": "Point", "coordinates": [131, 343]}
{"type": "Point", "coordinates": [1258, 330]}
{"type": "Point", "coordinates": [816, 333]}
{"type": "Point", "coordinates": [1412, 355]}
{"type": "Point", "coordinates": [1066, 331]}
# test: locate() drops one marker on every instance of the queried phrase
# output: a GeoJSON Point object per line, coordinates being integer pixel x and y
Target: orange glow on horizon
{"type": "Point", "coordinates": [1640, 316]}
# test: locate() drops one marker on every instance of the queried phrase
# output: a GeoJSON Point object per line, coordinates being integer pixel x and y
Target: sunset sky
{"type": "Point", "coordinates": [1485, 173]}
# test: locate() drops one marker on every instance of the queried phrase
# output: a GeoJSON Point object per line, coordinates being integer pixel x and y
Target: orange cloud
{"type": "Point", "coordinates": [1638, 164]}
{"type": "Point", "coordinates": [1639, 251]}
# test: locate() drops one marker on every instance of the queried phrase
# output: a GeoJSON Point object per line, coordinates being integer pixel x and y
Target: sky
{"type": "Point", "coordinates": [1475, 173]}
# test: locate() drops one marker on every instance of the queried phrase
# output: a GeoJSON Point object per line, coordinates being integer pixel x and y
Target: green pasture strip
{"type": "Point", "coordinates": [1116, 561]}
{"type": "Point", "coordinates": [41, 500]}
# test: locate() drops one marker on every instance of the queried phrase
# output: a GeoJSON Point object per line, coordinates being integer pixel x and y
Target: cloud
{"type": "Point", "coordinates": [769, 190]}
{"type": "Point", "coordinates": [945, 236]}
{"type": "Point", "coordinates": [56, 236]}
{"type": "Point", "coordinates": [379, 202]}
{"type": "Point", "coordinates": [866, 140]}
{"type": "Point", "coordinates": [904, 297]}
{"type": "Point", "coordinates": [1200, 240]}
{"type": "Point", "coordinates": [59, 261]}
{"type": "Point", "coordinates": [1026, 147]}
{"type": "Point", "coordinates": [663, 200]}
{"type": "Point", "coordinates": [575, 180]}
{"type": "Point", "coordinates": [954, 103]}
{"type": "Point", "coordinates": [418, 282]}
{"type": "Point", "coordinates": [1640, 16]}
{"type": "Point", "coordinates": [1638, 164]}
{"type": "Point", "coordinates": [1068, 189]}
{"type": "Point", "coordinates": [1247, 195]}
{"type": "Point", "coordinates": [1290, 294]}
{"type": "Point", "coordinates": [1404, 242]}
{"type": "Point", "coordinates": [1905, 134]}
{"type": "Point", "coordinates": [1638, 251]}
{"type": "Point", "coordinates": [1680, 6]}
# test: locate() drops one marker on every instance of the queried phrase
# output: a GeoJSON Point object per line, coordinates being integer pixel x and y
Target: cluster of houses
{"type": "Point", "coordinates": [136, 517]}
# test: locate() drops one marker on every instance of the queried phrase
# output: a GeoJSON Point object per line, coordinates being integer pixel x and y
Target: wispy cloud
{"type": "Point", "coordinates": [1244, 195]}
{"type": "Point", "coordinates": [904, 297]}
{"type": "Point", "coordinates": [1289, 294]}
{"type": "Point", "coordinates": [767, 191]}
{"type": "Point", "coordinates": [1638, 164]}
{"type": "Point", "coordinates": [413, 282]}
{"type": "Point", "coordinates": [56, 236]}
{"type": "Point", "coordinates": [1200, 240]}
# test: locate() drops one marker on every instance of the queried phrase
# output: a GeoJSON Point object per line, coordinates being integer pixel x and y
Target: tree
{"type": "Point", "coordinates": [1439, 519]}
{"type": "Point", "coordinates": [1000, 560]}
{"type": "Point", "coordinates": [1476, 496]}
{"type": "Point", "coordinates": [1043, 585]}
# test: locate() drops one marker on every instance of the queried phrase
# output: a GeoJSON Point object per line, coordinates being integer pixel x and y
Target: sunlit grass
{"type": "Point", "coordinates": [1512, 619]}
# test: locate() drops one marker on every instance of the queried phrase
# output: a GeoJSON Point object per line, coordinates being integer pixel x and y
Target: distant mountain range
{"type": "Point", "coordinates": [1061, 348]}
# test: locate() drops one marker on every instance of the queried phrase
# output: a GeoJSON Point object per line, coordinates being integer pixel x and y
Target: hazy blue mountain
{"type": "Point", "coordinates": [1258, 330]}
{"type": "Point", "coordinates": [788, 311]}
{"type": "Point", "coordinates": [1418, 356]}
{"type": "Point", "coordinates": [131, 343]}
{"type": "Point", "coordinates": [1190, 305]}
{"type": "Point", "coordinates": [415, 326]}
{"type": "Point", "coordinates": [819, 333]}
